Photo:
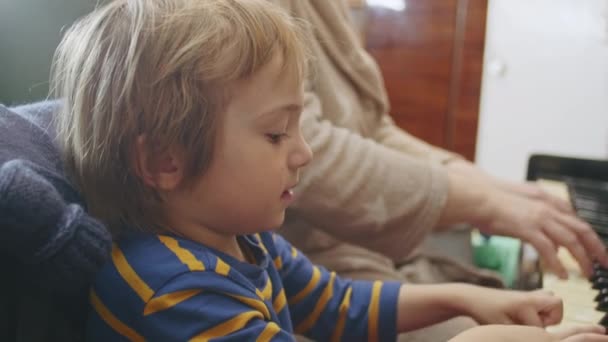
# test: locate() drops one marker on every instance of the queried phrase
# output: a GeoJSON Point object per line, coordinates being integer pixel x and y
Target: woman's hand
{"type": "Point", "coordinates": [526, 212]}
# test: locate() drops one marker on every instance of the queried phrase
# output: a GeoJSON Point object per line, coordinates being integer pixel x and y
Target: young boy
{"type": "Point", "coordinates": [181, 128]}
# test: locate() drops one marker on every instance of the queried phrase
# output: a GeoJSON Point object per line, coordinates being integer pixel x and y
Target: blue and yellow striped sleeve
{"type": "Point", "coordinates": [156, 289]}
{"type": "Point", "coordinates": [183, 311]}
{"type": "Point", "coordinates": [326, 307]}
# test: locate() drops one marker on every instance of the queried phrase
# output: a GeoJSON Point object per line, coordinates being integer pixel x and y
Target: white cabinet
{"type": "Point", "coordinates": [545, 83]}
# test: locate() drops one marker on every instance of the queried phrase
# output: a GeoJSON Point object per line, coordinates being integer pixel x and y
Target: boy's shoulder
{"type": "Point", "coordinates": [144, 266]}
{"type": "Point", "coordinates": [148, 276]}
{"type": "Point", "coordinates": [148, 265]}
{"type": "Point", "coordinates": [268, 242]}
{"type": "Point", "coordinates": [275, 244]}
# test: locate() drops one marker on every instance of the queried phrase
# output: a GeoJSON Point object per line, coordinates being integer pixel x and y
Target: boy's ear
{"type": "Point", "coordinates": [163, 171]}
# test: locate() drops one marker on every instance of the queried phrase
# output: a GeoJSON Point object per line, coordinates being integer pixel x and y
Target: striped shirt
{"type": "Point", "coordinates": [165, 288]}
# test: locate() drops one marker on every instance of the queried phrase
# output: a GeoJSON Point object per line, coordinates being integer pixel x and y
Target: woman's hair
{"type": "Point", "coordinates": [161, 69]}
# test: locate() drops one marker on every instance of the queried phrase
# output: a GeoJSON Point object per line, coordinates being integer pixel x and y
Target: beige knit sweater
{"type": "Point", "coordinates": [369, 183]}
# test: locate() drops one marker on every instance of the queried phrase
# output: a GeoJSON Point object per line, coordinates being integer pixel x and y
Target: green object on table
{"type": "Point", "coordinates": [498, 253]}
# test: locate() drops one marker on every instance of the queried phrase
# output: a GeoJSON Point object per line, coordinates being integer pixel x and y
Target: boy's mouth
{"type": "Point", "coordinates": [287, 195]}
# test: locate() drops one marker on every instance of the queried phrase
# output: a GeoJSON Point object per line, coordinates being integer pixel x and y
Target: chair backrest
{"type": "Point", "coordinates": [45, 299]}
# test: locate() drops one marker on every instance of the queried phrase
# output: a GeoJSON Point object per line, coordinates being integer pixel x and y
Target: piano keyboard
{"type": "Point", "coordinates": [590, 200]}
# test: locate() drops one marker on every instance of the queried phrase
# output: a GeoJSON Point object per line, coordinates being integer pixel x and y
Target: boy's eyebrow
{"type": "Point", "coordinates": [291, 108]}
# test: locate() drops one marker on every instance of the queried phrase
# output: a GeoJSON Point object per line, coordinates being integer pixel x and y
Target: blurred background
{"type": "Point", "coordinates": [494, 80]}
{"type": "Point", "coordinates": [30, 30]}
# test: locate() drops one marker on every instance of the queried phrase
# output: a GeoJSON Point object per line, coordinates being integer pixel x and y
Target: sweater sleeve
{"type": "Point", "coordinates": [388, 134]}
{"type": "Point", "coordinates": [325, 307]}
{"type": "Point", "coordinates": [364, 192]}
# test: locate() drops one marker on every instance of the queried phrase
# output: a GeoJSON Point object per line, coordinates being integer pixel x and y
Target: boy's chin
{"type": "Point", "coordinates": [268, 224]}
{"type": "Point", "coordinates": [275, 223]}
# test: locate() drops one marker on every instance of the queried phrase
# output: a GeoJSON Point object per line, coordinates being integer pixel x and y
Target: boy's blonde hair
{"type": "Point", "coordinates": [161, 69]}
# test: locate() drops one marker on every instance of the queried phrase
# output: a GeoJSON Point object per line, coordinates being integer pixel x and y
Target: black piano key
{"type": "Point", "coordinates": [590, 194]}
{"type": "Point", "coordinates": [598, 266]}
{"type": "Point", "coordinates": [602, 305]}
{"type": "Point", "coordinates": [604, 321]}
{"type": "Point", "coordinates": [592, 217]}
{"type": "Point", "coordinates": [603, 293]}
{"type": "Point", "coordinates": [600, 283]}
{"type": "Point", "coordinates": [589, 204]}
{"type": "Point", "coordinates": [600, 273]}
{"type": "Point", "coordinates": [590, 188]}
{"type": "Point", "coordinates": [599, 228]}
{"type": "Point", "coordinates": [605, 241]}
{"type": "Point", "coordinates": [587, 197]}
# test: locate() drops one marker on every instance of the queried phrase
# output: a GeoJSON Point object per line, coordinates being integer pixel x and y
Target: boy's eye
{"type": "Point", "coordinates": [276, 138]}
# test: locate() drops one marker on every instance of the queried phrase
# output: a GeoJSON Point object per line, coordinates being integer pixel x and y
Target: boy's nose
{"type": "Point", "coordinates": [302, 155]}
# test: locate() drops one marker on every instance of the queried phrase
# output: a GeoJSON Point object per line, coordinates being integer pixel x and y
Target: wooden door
{"type": "Point", "coordinates": [431, 55]}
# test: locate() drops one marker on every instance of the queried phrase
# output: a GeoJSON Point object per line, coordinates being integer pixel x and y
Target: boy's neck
{"type": "Point", "coordinates": [226, 244]}
{"type": "Point", "coordinates": [222, 242]}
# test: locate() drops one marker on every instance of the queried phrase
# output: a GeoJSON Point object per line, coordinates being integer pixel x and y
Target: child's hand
{"type": "Point", "coordinates": [518, 333]}
{"type": "Point", "coordinates": [590, 333]}
{"type": "Point", "coordinates": [489, 306]}
{"type": "Point", "coordinates": [422, 305]}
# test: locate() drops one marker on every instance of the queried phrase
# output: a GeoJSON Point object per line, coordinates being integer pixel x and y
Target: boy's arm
{"type": "Point", "coordinates": [195, 306]}
{"type": "Point", "coordinates": [326, 307]}
{"type": "Point", "coordinates": [423, 305]}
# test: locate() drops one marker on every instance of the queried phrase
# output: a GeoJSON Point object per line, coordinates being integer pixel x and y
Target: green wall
{"type": "Point", "coordinates": [30, 30]}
